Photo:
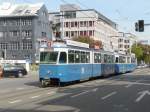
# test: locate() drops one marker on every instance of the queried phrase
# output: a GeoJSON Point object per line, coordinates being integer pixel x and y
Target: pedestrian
{"type": "Point", "coordinates": [1, 71]}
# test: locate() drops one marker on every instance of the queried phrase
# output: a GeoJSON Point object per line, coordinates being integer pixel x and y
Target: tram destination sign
{"type": "Point", "coordinates": [77, 44]}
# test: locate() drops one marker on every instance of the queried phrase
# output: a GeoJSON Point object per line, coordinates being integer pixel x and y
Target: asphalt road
{"type": "Point", "coordinates": [122, 93]}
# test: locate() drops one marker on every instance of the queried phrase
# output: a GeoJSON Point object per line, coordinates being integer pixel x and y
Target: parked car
{"type": "Point", "coordinates": [14, 70]}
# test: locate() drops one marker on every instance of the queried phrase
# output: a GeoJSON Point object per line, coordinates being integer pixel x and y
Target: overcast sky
{"type": "Point", "coordinates": [124, 12]}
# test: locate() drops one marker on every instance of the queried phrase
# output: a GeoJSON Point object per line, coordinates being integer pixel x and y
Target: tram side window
{"type": "Point", "coordinates": [87, 57]}
{"type": "Point", "coordinates": [83, 57]}
{"type": "Point", "coordinates": [63, 57]}
{"type": "Point", "coordinates": [102, 58]}
{"type": "Point", "coordinates": [77, 57]}
{"type": "Point", "coordinates": [97, 58]}
{"type": "Point", "coordinates": [71, 56]}
{"type": "Point", "coordinates": [105, 58]}
{"type": "Point", "coordinates": [111, 59]}
{"type": "Point", "coordinates": [122, 59]}
{"type": "Point", "coordinates": [117, 59]}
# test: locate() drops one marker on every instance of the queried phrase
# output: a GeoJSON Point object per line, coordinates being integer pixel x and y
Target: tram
{"type": "Point", "coordinates": [75, 61]}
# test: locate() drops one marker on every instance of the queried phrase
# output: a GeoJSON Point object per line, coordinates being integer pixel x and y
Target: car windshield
{"type": "Point", "coordinates": [48, 57]}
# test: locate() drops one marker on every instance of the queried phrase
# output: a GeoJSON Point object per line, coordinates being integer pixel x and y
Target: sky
{"type": "Point", "coordinates": [124, 12]}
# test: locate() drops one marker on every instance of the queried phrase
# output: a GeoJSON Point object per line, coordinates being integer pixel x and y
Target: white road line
{"type": "Point", "coordinates": [79, 94]}
{"type": "Point", "coordinates": [52, 92]}
{"type": "Point", "coordinates": [33, 97]}
{"type": "Point", "coordinates": [20, 88]}
{"type": "Point", "coordinates": [109, 95]}
{"type": "Point", "coordinates": [15, 101]}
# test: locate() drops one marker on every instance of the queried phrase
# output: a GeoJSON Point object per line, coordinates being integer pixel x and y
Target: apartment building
{"type": "Point", "coordinates": [125, 42]}
{"type": "Point", "coordinates": [75, 22]}
{"type": "Point", "coordinates": [21, 28]}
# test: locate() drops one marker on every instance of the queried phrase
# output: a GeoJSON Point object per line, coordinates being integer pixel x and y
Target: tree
{"type": "Point", "coordinates": [138, 52]}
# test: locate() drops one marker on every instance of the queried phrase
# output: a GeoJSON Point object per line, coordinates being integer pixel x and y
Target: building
{"type": "Point", "coordinates": [125, 42]}
{"type": "Point", "coordinates": [21, 28]}
{"type": "Point", "coordinates": [75, 22]}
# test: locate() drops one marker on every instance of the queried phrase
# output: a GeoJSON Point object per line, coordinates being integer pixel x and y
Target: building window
{"type": "Point", "coordinates": [72, 24]}
{"type": "Point", "coordinates": [3, 45]}
{"type": "Point", "coordinates": [43, 34]}
{"type": "Point", "coordinates": [67, 24]}
{"type": "Point", "coordinates": [27, 56]}
{"type": "Point", "coordinates": [67, 34]}
{"type": "Point", "coordinates": [14, 46]}
{"type": "Point", "coordinates": [76, 24]}
{"type": "Point", "coordinates": [1, 34]}
{"type": "Point", "coordinates": [90, 23]}
{"type": "Point", "coordinates": [14, 56]}
{"type": "Point", "coordinates": [90, 33]}
{"type": "Point", "coordinates": [26, 33]}
{"type": "Point", "coordinates": [85, 33]}
{"type": "Point", "coordinates": [81, 24]}
{"type": "Point", "coordinates": [85, 24]}
{"type": "Point", "coordinates": [70, 14]}
{"type": "Point", "coordinates": [81, 33]}
{"type": "Point", "coordinates": [72, 33]}
{"type": "Point", "coordinates": [27, 45]}
{"type": "Point", "coordinates": [14, 33]}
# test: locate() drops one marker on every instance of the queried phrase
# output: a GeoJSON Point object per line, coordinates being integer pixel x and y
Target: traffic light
{"type": "Point", "coordinates": [136, 26]}
{"type": "Point", "coordinates": [141, 25]}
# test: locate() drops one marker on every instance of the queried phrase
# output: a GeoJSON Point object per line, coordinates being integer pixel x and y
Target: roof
{"type": "Point", "coordinates": [7, 9]}
{"type": "Point", "coordinates": [100, 16]}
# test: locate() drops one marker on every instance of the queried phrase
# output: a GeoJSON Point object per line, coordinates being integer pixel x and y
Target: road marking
{"type": "Point", "coordinates": [20, 88]}
{"type": "Point", "coordinates": [94, 90]}
{"type": "Point", "coordinates": [109, 95]}
{"type": "Point", "coordinates": [33, 97]}
{"type": "Point", "coordinates": [131, 84]}
{"type": "Point", "coordinates": [80, 94]}
{"type": "Point", "coordinates": [52, 92]}
{"type": "Point", "coordinates": [143, 93]}
{"type": "Point", "coordinates": [15, 101]}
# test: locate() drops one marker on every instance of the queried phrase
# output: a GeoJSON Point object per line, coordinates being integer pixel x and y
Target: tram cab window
{"type": "Point", "coordinates": [48, 57]}
{"type": "Point", "coordinates": [63, 57]}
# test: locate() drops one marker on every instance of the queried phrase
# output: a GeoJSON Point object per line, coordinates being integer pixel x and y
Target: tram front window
{"type": "Point", "coordinates": [63, 57]}
{"type": "Point", "coordinates": [48, 57]}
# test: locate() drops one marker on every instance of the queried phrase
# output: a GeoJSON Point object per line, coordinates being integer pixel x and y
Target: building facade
{"type": "Point", "coordinates": [125, 42]}
{"type": "Point", "coordinates": [76, 22]}
{"type": "Point", "coordinates": [21, 27]}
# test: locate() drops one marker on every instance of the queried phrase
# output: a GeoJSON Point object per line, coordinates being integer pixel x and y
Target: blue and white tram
{"type": "Point", "coordinates": [64, 63]}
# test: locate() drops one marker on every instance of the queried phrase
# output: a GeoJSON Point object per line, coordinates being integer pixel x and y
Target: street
{"type": "Point", "coordinates": [128, 92]}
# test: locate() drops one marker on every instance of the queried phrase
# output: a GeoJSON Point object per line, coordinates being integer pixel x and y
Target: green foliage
{"type": "Point", "coordinates": [142, 52]}
{"type": "Point", "coordinates": [88, 40]}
